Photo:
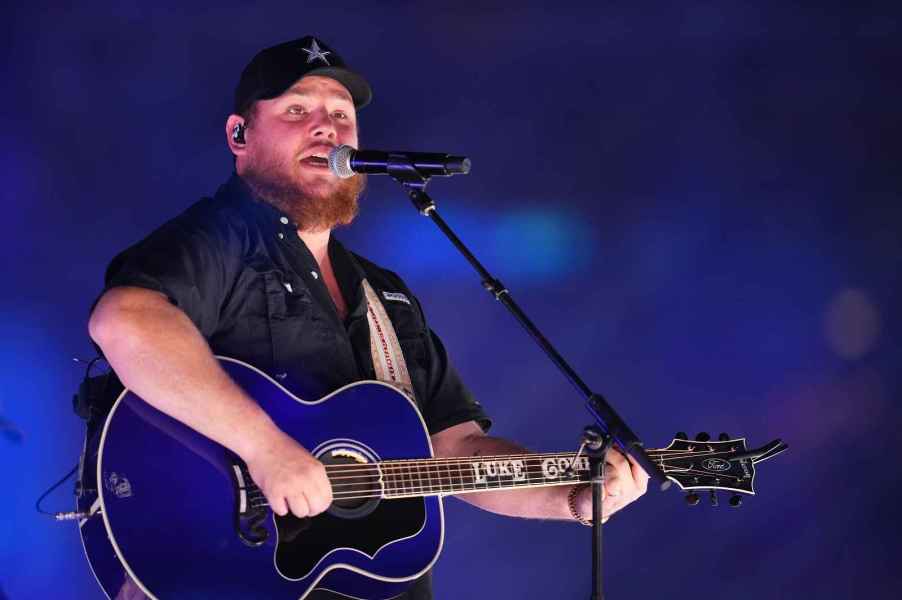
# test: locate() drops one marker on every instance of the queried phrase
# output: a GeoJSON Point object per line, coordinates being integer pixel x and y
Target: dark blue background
{"type": "Point", "coordinates": [698, 203]}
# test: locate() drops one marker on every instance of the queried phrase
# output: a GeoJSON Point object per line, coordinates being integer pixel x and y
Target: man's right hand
{"type": "Point", "coordinates": [291, 478]}
{"type": "Point", "coordinates": [159, 354]}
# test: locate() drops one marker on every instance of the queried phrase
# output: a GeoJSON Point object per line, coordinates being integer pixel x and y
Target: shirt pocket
{"type": "Point", "coordinates": [281, 296]}
{"type": "Point", "coordinates": [288, 309]}
{"type": "Point", "coordinates": [287, 299]}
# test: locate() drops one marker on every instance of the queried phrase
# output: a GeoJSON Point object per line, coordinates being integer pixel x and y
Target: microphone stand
{"type": "Point", "coordinates": [608, 429]}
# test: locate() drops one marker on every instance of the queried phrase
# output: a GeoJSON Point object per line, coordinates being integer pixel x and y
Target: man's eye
{"type": "Point", "coordinates": [338, 114]}
{"type": "Point", "coordinates": [296, 110]}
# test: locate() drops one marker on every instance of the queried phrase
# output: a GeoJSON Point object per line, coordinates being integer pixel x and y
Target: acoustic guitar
{"type": "Point", "coordinates": [174, 515]}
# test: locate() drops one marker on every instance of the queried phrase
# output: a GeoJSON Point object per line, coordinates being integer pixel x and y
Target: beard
{"type": "Point", "coordinates": [312, 208]}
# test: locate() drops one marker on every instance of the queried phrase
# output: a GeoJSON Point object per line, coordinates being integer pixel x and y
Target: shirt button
{"type": "Point", "coordinates": [284, 220]}
{"type": "Point", "coordinates": [281, 236]}
{"type": "Point", "coordinates": [315, 274]}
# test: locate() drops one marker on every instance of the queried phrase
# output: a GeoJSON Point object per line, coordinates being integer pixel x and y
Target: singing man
{"type": "Point", "coordinates": [255, 273]}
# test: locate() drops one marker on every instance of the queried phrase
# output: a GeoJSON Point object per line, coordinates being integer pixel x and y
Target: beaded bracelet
{"type": "Point", "coordinates": [571, 502]}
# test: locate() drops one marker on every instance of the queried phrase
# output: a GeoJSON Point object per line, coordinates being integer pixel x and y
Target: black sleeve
{"type": "Point", "coordinates": [450, 402]}
{"type": "Point", "coordinates": [187, 259]}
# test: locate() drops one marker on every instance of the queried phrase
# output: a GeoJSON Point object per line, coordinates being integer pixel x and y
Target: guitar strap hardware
{"type": "Point", "coordinates": [388, 359]}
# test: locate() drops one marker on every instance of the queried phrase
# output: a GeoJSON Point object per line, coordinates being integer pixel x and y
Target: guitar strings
{"type": "Point", "coordinates": [431, 469]}
{"type": "Point", "coordinates": [453, 484]}
{"type": "Point", "coordinates": [396, 472]}
{"type": "Point", "coordinates": [403, 472]}
{"type": "Point", "coordinates": [400, 471]}
{"type": "Point", "coordinates": [531, 476]}
{"type": "Point", "coordinates": [433, 463]}
{"type": "Point", "coordinates": [529, 457]}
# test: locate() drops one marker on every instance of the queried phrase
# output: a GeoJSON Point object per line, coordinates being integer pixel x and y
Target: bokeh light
{"type": "Point", "coordinates": [852, 324]}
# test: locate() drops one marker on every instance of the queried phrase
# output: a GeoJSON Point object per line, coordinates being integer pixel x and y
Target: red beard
{"type": "Point", "coordinates": [310, 210]}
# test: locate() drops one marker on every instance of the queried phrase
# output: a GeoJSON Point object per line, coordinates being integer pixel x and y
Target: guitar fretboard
{"type": "Point", "coordinates": [429, 477]}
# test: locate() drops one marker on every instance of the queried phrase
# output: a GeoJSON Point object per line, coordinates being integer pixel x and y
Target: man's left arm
{"type": "Point", "coordinates": [625, 480]}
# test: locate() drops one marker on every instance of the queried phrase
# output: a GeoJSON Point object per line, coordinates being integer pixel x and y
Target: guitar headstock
{"type": "Point", "coordinates": [703, 464]}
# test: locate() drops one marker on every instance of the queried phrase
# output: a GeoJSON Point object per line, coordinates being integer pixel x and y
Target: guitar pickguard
{"type": "Point", "coordinates": [303, 543]}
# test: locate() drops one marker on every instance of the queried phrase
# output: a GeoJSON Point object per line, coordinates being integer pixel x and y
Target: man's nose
{"type": "Point", "coordinates": [322, 125]}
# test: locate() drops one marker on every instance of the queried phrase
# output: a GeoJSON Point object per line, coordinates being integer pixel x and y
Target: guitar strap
{"type": "Point", "coordinates": [388, 360]}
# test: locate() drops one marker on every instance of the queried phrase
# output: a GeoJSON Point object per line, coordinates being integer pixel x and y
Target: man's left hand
{"type": "Point", "coordinates": [624, 482]}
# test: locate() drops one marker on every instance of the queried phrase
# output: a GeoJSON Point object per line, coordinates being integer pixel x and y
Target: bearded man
{"type": "Point", "coordinates": [255, 273]}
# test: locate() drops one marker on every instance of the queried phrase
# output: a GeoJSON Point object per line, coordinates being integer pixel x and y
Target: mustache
{"type": "Point", "coordinates": [316, 148]}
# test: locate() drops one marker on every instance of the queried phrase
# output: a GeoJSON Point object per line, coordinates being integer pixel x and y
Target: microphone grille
{"type": "Point", "coordinates": [340, 161]}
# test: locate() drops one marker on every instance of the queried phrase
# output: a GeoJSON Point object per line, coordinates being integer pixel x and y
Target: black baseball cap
{"type": "Point", "coordinates": [275, 69]}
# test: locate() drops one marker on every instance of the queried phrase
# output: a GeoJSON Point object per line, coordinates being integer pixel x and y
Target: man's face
{"type": "Point", "coordinates": [285, 137]}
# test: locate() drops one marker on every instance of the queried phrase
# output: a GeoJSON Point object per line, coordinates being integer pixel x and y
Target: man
{"type": "Point", "coordinates": [255, 274]}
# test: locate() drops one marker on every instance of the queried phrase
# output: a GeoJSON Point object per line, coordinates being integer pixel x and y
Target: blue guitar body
{"type": "Point", "coordinates": [175, 511]}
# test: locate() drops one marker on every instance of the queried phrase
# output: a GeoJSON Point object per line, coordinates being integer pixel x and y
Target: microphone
{"type": "Point", "coordinates": [344, 161]}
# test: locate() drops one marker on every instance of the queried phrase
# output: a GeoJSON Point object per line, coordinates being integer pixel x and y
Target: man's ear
{"type": "Point", "coordinates": [235, 134]}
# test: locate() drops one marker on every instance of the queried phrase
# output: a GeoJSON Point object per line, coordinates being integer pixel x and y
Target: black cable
{"type": "Point", "coordinates": [37, 504]}
{"type": "Point", "coordinates": [90, 363]}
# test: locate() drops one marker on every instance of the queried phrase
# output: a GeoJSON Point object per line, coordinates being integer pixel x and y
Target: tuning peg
{"type": "Point", "coordinates": [713, 496]}
{"type": "Point", "coordinates": [681, 435]}
{"type": "Point", "coordinates": [736, 501]}
{"type": "Point", "coordinates": [692, 499]}
{"type": "Point", "coordinates": [703, 437]}
{"type": "Point", "coordinates": [723, 437]}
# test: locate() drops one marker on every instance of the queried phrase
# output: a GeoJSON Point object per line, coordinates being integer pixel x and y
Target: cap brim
{"type": "Point", "coordinates": [360, 90]}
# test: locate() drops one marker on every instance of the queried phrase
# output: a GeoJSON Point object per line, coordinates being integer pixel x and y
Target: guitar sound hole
{"type": "Point", "coordinates": [355, 489]}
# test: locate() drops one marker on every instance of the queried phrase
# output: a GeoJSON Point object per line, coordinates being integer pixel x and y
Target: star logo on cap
{"type": "Point", "coordinates": [314, 52]}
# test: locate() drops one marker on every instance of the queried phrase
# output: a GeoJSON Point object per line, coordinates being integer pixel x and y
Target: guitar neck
{"type": "Point", "coordinates": [439, 476]}
{"type": "Point", "coordinates": [724, 465]}
{"type": "Point", "coordinates": [415, 478]}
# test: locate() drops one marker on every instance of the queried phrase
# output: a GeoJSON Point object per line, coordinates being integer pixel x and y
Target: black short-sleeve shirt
{"type": "Point", "coordinates": [238, 269]}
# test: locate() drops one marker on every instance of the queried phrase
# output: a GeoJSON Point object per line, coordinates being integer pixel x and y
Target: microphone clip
{"type": "Point", "coordinates": [402, 169]}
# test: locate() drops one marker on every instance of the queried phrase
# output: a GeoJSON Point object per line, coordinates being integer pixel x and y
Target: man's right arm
{"type": "Point", "coordinates": [160, 355]}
